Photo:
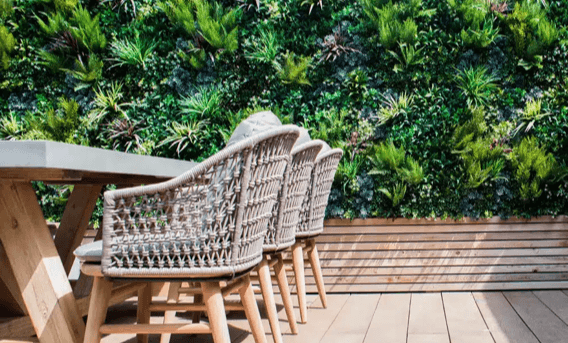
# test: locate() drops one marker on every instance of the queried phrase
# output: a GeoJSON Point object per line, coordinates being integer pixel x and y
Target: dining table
{"type": "Point", "coordinates": [34, 265]}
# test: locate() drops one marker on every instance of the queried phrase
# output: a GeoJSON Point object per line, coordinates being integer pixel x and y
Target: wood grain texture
{"type": "Point", "coordinates": [382, 255]}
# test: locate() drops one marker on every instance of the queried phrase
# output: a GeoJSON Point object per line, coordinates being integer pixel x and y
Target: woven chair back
{"type": "Point", "coordinates": [315, 202]}
{"type": "Point", "coordinates": [282, 225]}
{"type": "Point", "coordinates": [208, 222]}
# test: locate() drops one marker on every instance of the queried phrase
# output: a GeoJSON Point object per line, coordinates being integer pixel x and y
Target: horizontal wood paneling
{"type": "Point", "coordinates": [382, 255]}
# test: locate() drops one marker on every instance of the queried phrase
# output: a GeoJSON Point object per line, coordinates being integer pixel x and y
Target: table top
{"type": "Point", "coordinates": [67, 163]}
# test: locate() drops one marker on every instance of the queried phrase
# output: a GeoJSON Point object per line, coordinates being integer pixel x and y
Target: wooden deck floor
{"type": "Point", "coordinates": [468, 317]}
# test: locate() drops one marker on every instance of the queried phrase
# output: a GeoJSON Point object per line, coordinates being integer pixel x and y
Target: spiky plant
{"type": "Point", "coordinates": [60, 125]}
{"type": "Point", "coordinates": [532, 113]}
{"type": "Point", "coordinates": [335, 46]}
{"type": "Point", "coordinates": [132, 52]}
{"type": "Point", "coordinates": [294, 69]}
{"type": "Point", "coordinates": [181, 13]}
{"type": "Point", "coordinates": [6, 9]}
{"type": "Point", "coordinates": [476, 85]}
{"type": "Point", "coordinates": [204, 103]}
{"type": "Point", "coordinates": [267, 47]}
{"type": "Point", "coordinates": [87, 74]}
{"type": "Point", "coordinates": [108, 103]}
{"type": "Point", "coordinates": [56, 23]}
{"type": "Point", "coordinates": [86, 30]}
{"type": "Point", "coordinates": [181, 135]}
{"type": "Point", "coordinates": [125, 134]}
{"type": "Point", "coordinates": [393, 107]}
{"type": "Point", "coordinates": [217, 25]}
{"type": "Point", "coordinates": [10, 128]}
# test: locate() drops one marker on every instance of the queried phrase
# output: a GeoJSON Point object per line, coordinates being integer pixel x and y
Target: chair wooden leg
{"type": "Point", "coordinates": [298, 259]}
{"type": "Point", "coordinates": [316, 269]}
{"type": "Point", "coordinates": [170, 316]}
{"type": "Point", "coordinates": [100, 297]}
{"type": "Point", "coordinates": [143, 313]}
{"type": "Point", "coordinates": [269, 302]}
{"type": "Point", "coordinates": [197, 298]}
{"type": "Point", "coordinates": [251, 311]}
{"type": "Point", "coordinates": [216, 311]}
{"type": "Point", "coordinates": [285, 293]}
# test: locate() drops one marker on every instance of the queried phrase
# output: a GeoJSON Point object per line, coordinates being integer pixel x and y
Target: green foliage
{"type": "Point", "coordinates": [392, 108]}
{"type": "Point", "coordinates": [476, 85]}
{"type": "Point", "coordinates": [482, 37]}
{"type": "Point", "coordinates": [7, 46]}
{"type": "Point", "coordinates": [470, 131]}
{"type": "Point", "coordinates": [64, 5]}
{"type": "Point", "coordinates": [294, 69]}
{"type": "Point", "coordinates": [59, 126]}
{"type": "Point", "coordinates": [217, 26]}
{"type": "Point", "coordinates": [6, 9]}
{"type": "Point", "coordinates": [135, 52]}
{"type": "Point", "coordinates": [266, 48]}
{"type": "Point", "coordinates": [182, 135]}
{"type": "Point", "coordinates": [52, 61]}
{"type": "Point", "coordinates": [356, 83]}
{"type": "Point", "coordinates": [107, 102]}
{"type": "Point", "coordinates": [10, 128]}
{"type": "Point", "coordinates": [531, 30]}
{"type": "Point", "coordinates": [86, 30]}
{"type": "Point", "coordinates": [387, 160]}
{"type": "Point", "coordinates": [332, 126]}
{"type": "Point", "coordinates": [532, 167]}
{"type": "Point", "coordinates": [473, 12]}
{"type": "Point", "coordinates": [87, 74]}
{"type": "Point", "coordinates": [181, 13]}
{"type": "Point", "coordinates": [409, 56]}
{"type": "Point", "coordinates": [204, 103]}
{"type": "Point", "coordinates": [56, 23]}
{"type": "Point", "coordinates": [532, 113]}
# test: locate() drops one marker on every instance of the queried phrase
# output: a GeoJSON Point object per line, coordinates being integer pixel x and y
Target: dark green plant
{"type": "Point", "coordinates": [532, 167]}
{"type": "Point", "coordinates": [332, 126]}
{"type": "Point", "coordinates": [6, 9]}
{"type": "Point", "coordinates": [132, 52]}
{"type": "Point", "coordinates": [409, 56]}
{"type": "Point", "coordinates": [476, 85]}
{"type": "Point", "coordinates": [7, 46]}
{"type": "Point", "coordinates": [312, 4]}
{"type": "Point", "coordinates": [356, 83]}
{"type": "Point", "coordinates": [59, 126]}
{"type": "Point", "coordinates": [86, 30]}
{"type": "Point", "coordinates": [184, 134]}
{"type": "Point", "coordinates": [294, 69]}
{"type": "Point", "coordinates": [531, 30]}
{"type": "Point", "coordinates": [480, 37]}
{"type": "Point", "coordinates": [64, 5]}
{"type": "Point", "coordinates": [128, 6]}
{"type": "Point", "coordinates": [56, 23]}
{"type": "Point", "coordinates": [86, 74]}
{"type": "Point", "coordinates": [206, 103]}
{"type": "Point", "coordinates": [52, 61]}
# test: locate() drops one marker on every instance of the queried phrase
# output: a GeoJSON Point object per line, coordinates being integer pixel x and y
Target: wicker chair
{"type": "Point", "coordinates": [311, 225]}
{"type": "Point", "coordinates": [280, 235]}
{"type": "Point", "coordinates": [207, 225]}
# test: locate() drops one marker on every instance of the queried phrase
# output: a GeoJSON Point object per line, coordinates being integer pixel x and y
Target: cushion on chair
{"type": "Point", "coordinates": [91, 252]}
{"type": "Point", "coordinates": [303, 138]}
{"type": "Point", "coordinates": [253, 125]}
{"type": "Point", "coordinates": [325, 148]}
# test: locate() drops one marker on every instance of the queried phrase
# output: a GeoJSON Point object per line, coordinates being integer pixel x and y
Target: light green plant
{"type": "Point", "coordinates": [51, 61]}
{"type": "Point", "coordinates": [482, 162]}
{"type": "Point", "coordinates": [204, 103]}
{"type": "Point", "coordinates": [331, 126]}
{"type": "Point", "coordinates": [393, 107]}
{"type": "Point", "coordinates": [409, 56]}
{"type": "Point", "coordinates": [107, 102]}
{"type": "Point", "coordinates": [473, 12]}
{"type": "Point", "coordinates": [476, 85]}
{"type": "Point", "coordinates": [470, 131]}
{"type": "Point", "coordinates": [386, 157]}
{"type": "Point", "coordinates": [7, 46]}
{"type": "Point", "coordinates": [532, 166]}
{"type": "Point", "coordinates": [532, 31]}
{"type": "Point", "coordinates": [266, 49]}
{"type": "Point", "coordinates": [396, 194]}
{"type": "Point", "coordinates": [56, 23]}
{"type": "Point", "coordinates": [480, 37]}
{"type": "Point", "coordinates": [10, 128]}
{"type": "Point", "coordinates": [132, 52]}
{"type": "Point", "coordinates": [294, 69]}
{"type": "Point", "coordinates": [87, 74]}
{"type": "Point", "coordinates": [86, 30]}
{"type": "Point", "coordinates": [532, 113]}
{"type": "Point", "coordinates": [59, 126]}
{"type": "Point", "coordinates": [182, 135]}
{"type": "Point", "coordinates": [197, 58]}
{"type": "Point", "coordinates": [6, 9]}
{"type": "Point", "coordinates": [181, 13]}
{"type": "Point", "coordinates": [217, 25]}
{"type": "Point", "coordinates": [64, 5]}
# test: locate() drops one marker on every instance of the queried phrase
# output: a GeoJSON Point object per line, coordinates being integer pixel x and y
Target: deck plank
{"type": "Point", "coordinates": [557, 301]}
{"type": "Point", "coordinates": [465, 322]}
{"type": "Point", "coordinates": [547, 327]}
{"type": "Point", "coordinates": [427, 323]}
{"type": "Point", "coordinates": [390, 322]}
{"type": "Point", "coordinates": [353, 320]}
{"type": "Point", "coordinates": [504, 323]}
{"type": "Point", "coordinates": [320, 320]}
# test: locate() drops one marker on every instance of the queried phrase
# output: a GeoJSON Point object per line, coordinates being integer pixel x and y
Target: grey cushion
{"type": "Point", "coordinates": [91, 252]}
{"type": "Point", "coordinates": [253, 125]}
{"type": "Point", "coordinates": [303, 138]}
{"type": "Point", "coordinates": [324, 148]}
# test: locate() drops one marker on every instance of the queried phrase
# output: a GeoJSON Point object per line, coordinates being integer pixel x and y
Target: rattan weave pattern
{"type": "Point", "coordinates": [315, 202]}
{"type": "Point", "coordinates": [209, 221]}
{"type": "Point", "coordinates": [282, 225]}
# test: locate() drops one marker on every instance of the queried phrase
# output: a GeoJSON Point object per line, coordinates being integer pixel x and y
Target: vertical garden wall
{"type": "Point", "coordinates": [443, 107]}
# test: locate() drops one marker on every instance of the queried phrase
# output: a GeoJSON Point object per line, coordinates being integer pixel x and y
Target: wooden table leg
{"type": "Point", "coordinates": [75, 221]}
{"type": "Point", "coordinates": [37, 267]}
